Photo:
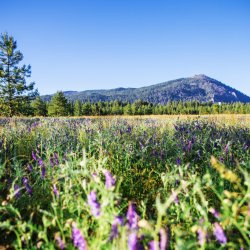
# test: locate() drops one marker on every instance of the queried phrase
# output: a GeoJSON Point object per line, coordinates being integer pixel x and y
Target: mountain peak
{"type": "Point", "coordinates": [201, 76]}
{"type": "Point", "coordinates": [199, 87]}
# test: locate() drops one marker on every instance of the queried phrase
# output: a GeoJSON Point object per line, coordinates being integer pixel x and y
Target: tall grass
{"type": "Point", "coordinates": [124, 184]}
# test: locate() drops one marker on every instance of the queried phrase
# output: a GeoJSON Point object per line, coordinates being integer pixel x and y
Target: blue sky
{"type": "Point", "coordinates": [79, 45]}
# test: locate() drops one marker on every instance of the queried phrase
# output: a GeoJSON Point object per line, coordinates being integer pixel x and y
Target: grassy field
{"type": "Point", "coordinates": [146, 182]}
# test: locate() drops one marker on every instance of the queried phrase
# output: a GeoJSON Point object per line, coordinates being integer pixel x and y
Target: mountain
{"type": "Point", "coordinates": [199, 87]}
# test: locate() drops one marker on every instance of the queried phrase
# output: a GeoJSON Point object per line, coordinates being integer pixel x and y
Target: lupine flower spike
{"type": "Point", "coordinates": [219, 233]}
{"type": "Point", "coordinates": [110, 180]}
{"type": "Point", "coordinates": [78, 239]}
{"type": "Point", "coordinates": [94, 204]}
{"type": "Point", "coordinates": [132, 216]}
{"type": "Point", "coordinates": [114, 229]}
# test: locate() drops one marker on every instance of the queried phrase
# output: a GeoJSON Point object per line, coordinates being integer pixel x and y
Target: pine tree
{"type": "Point", "coordinates": [127, 109]}
{"type": "Point", "coordinates": [58, 105]}
{"type": "Point", "coordinates": [86, 108]}
{"type": "Point", "coordinates": [39, 107]}
{"type": "Point", "coordinates": [77, 108]}
{"type": "Point", "coordinates": [15, 93]}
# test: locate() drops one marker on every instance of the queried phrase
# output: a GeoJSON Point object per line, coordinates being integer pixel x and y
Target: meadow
{"type": "Point", "coordinates": [141, 182]}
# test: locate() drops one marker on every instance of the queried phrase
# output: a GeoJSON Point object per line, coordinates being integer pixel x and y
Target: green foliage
{"type": "Point", "coordinates": [15, 93]}
{"type": "Point", "coordinates": [171, 108]}
{"type": "Point", "coordinates": [77, 108]}
{"type": "Point", "coordinates": [185, 178]}
{"type": "Point", "coordinates": [59, 105]}
{"type": "Point", "coordinates": [39, 107]}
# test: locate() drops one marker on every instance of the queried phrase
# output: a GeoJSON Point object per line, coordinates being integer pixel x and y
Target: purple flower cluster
{"type": "Point", "coordinates": [114, 228]}
{"type": "Point", "coordinates": [132, 219]}
{"type": "Point", "coordinates": [27, 186]}
{"type": "Point", "coordinates": [219, 233]}
{"type": "Point", "coordinates": [110, 180]}
{"type": "Point", "coordinates": [94, 204]}
{"type": "Point", "coordinates": [163, 244]}
{"type": "Point", "coordinates": [214, 212]}
{"type": "Point", "coordinates": [60, 242]}
{"type": "Point", "coordinates": [132, 216]}
{"type": "Point", "coordinates": [43, 169]}
{"type": "Point", "coordinates": [34, 155]}
{"type": "Point", "coordinates": [132, 240]}
{"type": "Point", "coordinates": [17, 191]}
{"type": "Point", "coordinates": [202, 236]}
{"type": "Point", "coordinates": [175, 197]}
{"type": "Point", "coordinates": [78, 239]}
{"type": "Point", "coordinates": [55, 190]}
{"type": "Point", "coordinates": [56, 158]}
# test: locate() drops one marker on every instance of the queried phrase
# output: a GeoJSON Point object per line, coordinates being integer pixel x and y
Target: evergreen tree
{"type": "Point", "coordinates": [58, 105]}
{"type": "Point", "coordinates": [86, 109]}
{"type": "Point", "coordinates": [127, 109]}
{"type": "Point", "coordinates": [15, 93]}
{"type": "Point", "coordinates": [39, 107]}
{"type": "Point", "coordinates": [77, 108]}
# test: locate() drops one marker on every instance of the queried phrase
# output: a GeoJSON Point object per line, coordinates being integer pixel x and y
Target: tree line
{"type": "Point", "coordinates": [19, 98]}
{"type": "Point", "coordinates": [60, 106]}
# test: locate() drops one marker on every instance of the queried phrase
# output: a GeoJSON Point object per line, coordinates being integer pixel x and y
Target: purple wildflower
{"type": "Point", "coordinates": [27, 186]}
{"type": "Point", "coordinates": [163, 239]}
{"type": "Point", "coordinates": [55, 190]}
{"type": "Point", "coordinates": [215, 213]}
{"type": "Point", "coordinates": [189, 146]}
{"type": "Point", "coordinates": [245, 147]}
{"type": "Point", "coordinates": [175, 197]}
{"type": "Point", "coordinates": [33, 155]}
{"type": "Point", "coordinates": [178, 161]}
{"type": "Point", "coordinates": [114, 229]}
{"type": "Point", "coordinates": [29, 167]}
{"type": "Point", "coordinates": [17, 191]}
{"type": "Point", "coordinates": [129, 129]}
{"type": "Point", "coordinates": [94, 204]}
{"type": "Point", "coordinates": [219, 233]}
{"type": "Point", "coordinates": [51, 160]}
{"type": "Point", "coordinates": [110, 180]}
{"type": "Point", "coordinates": [60, 242]}
{"type": "Point", "coordinates": [132, 241]}
{"type": "Point", "coordinates": [201, 236]}
{"type": "Point", "coordinates": [56, 158]}
{"type": "Point", "coordinates": [40, 162]}
{"type": "Point", "coordinates": [78, 239]}
{"type": "Point", "coordinates": [141, 145]}
{"type": "Point", "coordinates": [153, 245]}
{"type": "Point", "coordinates": [132, 216]}
{"type": "Point", "coordinates": [226, 149]}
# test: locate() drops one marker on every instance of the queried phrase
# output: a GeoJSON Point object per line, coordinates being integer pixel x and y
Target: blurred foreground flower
{"type": "Point", "coordinates": [114, 229]}
{"type": "Point", "coordinates": [17, 191]}
{"type": "Point", "coordinates": [78, 239]}
{"type": "Point", "coordinates": [132, 216]}
{"type": "Point", "coordinates": [132, 241]}
{"type": "Point", "coordinates": [110, 180]}
{"type": "Point", "coordinates": [60, 242]}
{"type": "Point", "coordinates": [55, 190]}
{"type": "Point", "coordinates": [27, 186]}
{"type": "Point", "coordinates": [94, 204]}
{"type": "Point", "coordinates": [219, 233]}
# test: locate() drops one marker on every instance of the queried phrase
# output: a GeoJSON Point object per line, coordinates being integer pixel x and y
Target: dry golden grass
{"type": "Point", "coordinates": [227, 119]}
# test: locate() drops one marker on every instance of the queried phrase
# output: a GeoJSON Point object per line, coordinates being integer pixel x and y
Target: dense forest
{"type": "Point", "coordinates": [60, 106]}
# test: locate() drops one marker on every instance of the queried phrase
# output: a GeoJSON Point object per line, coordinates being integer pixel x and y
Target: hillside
{"type": "Point", "coordinates": [199, 87]}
